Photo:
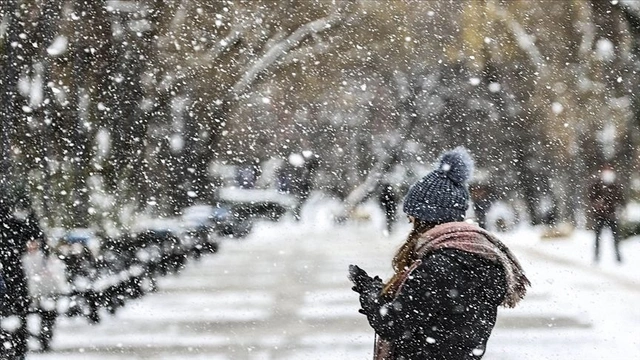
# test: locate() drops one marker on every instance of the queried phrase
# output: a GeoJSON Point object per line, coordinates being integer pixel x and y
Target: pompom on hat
{"type": "Point", "coordinates": [442, 195]}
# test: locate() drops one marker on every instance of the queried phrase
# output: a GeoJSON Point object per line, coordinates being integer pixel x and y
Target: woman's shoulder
{"type": "Point", "coordinates": [450, 254]}
{"type": "Point", "coordinates": [450, 259]}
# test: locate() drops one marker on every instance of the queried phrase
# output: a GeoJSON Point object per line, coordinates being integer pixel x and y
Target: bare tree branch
{"type": "Point", "coordinates": [180, 16]}
{"type": "Point", "coordinates": [283, 47]}
{"type": "Point", "coordinates": [360, 193]}
{"type": "Point", "coordinates": [586, 27]}
{"type": "Point", "coordinates": [524, 40]}
{"type": "Point", "coordinates": [632, 6]}
{"type": "Point", "coordinates": [235, 34]}
{"type": "Point", "coordinates": [631, 11]}
{"type": "Point", "coordinates": [304, 53]}
{"type": "Point", "coordinates": [319, 46]}
{"type": "Point", "coordinates": [397, 141]}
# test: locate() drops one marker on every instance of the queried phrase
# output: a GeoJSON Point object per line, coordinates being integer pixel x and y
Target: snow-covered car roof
{"type": "Point", "coordinates": [233, 194]}
{"type": "Point", "coordinates": [158, 224]}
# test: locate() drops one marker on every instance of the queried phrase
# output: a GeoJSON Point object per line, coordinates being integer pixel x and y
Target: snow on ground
{"type": "Point", "coordinates": [282, 293]}
{"type": "Point", "coordinates": [576, 309]}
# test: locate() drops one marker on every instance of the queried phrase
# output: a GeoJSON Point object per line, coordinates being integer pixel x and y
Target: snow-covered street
{"type": "Point", "coordinates": [283, 293]}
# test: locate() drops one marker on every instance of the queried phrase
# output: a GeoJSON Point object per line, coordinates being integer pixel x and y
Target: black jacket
{"type": "Point", "coordinates": [604, 198]}
{"type": "Point", "coordinates": [445, 310]}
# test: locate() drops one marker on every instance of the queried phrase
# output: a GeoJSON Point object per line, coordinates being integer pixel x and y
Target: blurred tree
{"type": "Point", "coordinates": [135, 99]}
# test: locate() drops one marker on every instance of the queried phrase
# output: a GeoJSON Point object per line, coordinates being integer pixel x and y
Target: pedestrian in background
{"type": "Point", "coordinates": [605, 196]}
{"type": "Point", "coordinates": [482, 196]}
{"type": "Point", "coordinates": [450, 276]}
{"type": "Point", "coordinates": [389, 205]}
{"type": "Point", "coordinates": [296, 176]}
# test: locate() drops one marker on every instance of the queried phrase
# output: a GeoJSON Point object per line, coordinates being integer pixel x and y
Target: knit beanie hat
{"type": "Point", "coordinates": [442, 195]}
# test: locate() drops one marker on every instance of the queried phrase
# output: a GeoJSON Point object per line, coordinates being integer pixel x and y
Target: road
{"type": "Point", "coordinates": [282, 293]}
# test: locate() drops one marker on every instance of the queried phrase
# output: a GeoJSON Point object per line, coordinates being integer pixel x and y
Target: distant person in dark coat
{"type": "Point", "coordinates": [296, 178]}
{"type": "Point", "coordinates": [450, 276]}
{"type": "Point", "coordinates": [482, 196]}
{"type": "Point", "coordinates": [16, 300]}
{"type": "Point", "coordinates": [389, 204]}
{"type": "Point", "coordinates": [605, 196]}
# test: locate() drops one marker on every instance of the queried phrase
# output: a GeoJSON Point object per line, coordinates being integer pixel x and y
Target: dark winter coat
{"type": "Point", "coordinates": [604, 198]}
{"type": "Point", "coordinates": [387, 198]}
{"type": "Point", "coordinates": [445, 310]}
{"type": "Point", "coordinates": [444, 306]}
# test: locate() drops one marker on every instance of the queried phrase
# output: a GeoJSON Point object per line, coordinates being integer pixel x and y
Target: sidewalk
{"type": "Point", "coordinates": [576, 309]}
{"type": "Point", "coordinates": [282, 293]}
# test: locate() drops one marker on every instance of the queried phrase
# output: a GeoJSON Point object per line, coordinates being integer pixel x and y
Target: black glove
{"type": "Point", "coordinates": [369, 288]}
{"type": "Point", "coordinates": [359, 278]}
{"type": "Point", "coordinates": [363, 281]}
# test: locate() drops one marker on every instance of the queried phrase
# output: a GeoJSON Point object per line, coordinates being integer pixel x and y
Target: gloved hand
{"type": "Point", "coordinates": [369, 288]}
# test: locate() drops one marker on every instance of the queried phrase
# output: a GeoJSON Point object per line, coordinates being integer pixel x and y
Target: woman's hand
{"type": "Point", "coordinates": [369, 288]}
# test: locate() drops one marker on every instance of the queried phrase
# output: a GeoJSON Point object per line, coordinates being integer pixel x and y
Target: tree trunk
{"type": "Point", "coordinates": [9, 94]}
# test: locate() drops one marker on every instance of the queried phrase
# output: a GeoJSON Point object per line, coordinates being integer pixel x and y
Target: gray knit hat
{"type": "Point", "coordinates": [442, 195]}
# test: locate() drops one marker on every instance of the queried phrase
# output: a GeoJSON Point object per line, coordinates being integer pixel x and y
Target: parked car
{"type": "Point", "coordinates": [222, 219]}
{"type": "Point", "coordinates": [257, 203]}
{"type": "Point", "coordinates": [229, 222]}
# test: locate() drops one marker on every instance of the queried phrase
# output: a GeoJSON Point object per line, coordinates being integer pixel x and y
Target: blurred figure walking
{"type": "Point", "coordinates": [482, 196]}
{"type": "Point", "coordinates": [605, 196]}
{"type": "Point", "coordinates": [296, 176]}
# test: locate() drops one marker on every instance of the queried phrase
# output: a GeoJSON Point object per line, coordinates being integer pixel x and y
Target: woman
{"type": "Point", "coordinates": [450, 276]}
